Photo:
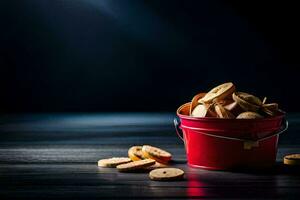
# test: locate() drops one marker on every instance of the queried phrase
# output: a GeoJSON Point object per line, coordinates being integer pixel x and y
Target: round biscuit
{"type": "Point", "coordinates": [135, 165]}
{"type": "Point", "coordinates": [157, 154]}
{"type": "Point", "coordinates": [113, 162]}
{"type": "Point", "coordinates": [166, 174]}
{"type": "Point", "coordinates": [135, 153]}
{"type": "Point", "coordinates": [292, 159]}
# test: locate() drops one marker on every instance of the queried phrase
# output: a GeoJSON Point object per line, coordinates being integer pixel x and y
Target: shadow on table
{"type": "Point", "coordinates": [278, 169]}
{"type": "Point", "coordinates": [178, 162]}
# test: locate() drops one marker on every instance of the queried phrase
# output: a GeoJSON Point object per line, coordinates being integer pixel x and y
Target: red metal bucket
{"type": "Point", "coordinates": [225, 144]}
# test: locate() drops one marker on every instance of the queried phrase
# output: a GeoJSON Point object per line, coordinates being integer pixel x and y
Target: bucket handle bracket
{"type": "Point", "coordinates": [177, 128]}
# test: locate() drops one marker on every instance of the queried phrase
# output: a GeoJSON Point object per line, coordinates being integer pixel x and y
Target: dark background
{"type": "Point", "coordinates": [108, 55]}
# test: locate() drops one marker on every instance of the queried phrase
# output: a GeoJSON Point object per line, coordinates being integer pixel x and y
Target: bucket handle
{"type": "Point", "coordinates": [177, 128]}
{"type": "Point", "coordinates": [248, 144]}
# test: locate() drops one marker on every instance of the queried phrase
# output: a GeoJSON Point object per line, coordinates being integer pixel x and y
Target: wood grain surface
{"type": "Point", "coordinates": [54, 156]}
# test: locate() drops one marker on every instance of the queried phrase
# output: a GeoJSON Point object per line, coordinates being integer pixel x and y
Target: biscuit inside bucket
{"type": "Point", "coordinates": [184, 109]}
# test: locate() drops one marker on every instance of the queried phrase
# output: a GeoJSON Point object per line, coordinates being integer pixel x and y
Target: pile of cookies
{"type": "Point", "coordinates": [224, 101]}
{"type": "Point", "coordinates": [145, 158]}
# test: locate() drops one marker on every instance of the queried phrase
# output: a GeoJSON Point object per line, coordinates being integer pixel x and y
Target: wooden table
{"type": "Point", "coordinates": [54, 156]}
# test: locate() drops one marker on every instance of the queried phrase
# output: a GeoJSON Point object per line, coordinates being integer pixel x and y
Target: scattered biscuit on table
{"type": "Point", "coordinates": [113, 162]}
{"type": "Point", "coordinates": [166, 174]}
{"type": "Point", "coordinates": [156, 154]}
{"type": "Point", "coordinates": [131, 166]}
{"type": "Point", "coordinates": [135, 153]}
{"type": "Point", "coordinates": [292, 159]}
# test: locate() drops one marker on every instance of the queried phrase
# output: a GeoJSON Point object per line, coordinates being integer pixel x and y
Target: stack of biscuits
{"type": "Point", "coordinates": [145, 158]}
{"type": "Point", "coordinates": [224, 101]}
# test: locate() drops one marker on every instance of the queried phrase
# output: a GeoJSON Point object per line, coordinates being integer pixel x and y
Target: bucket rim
{"type": "Point", "coordinates": [181, 116]}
